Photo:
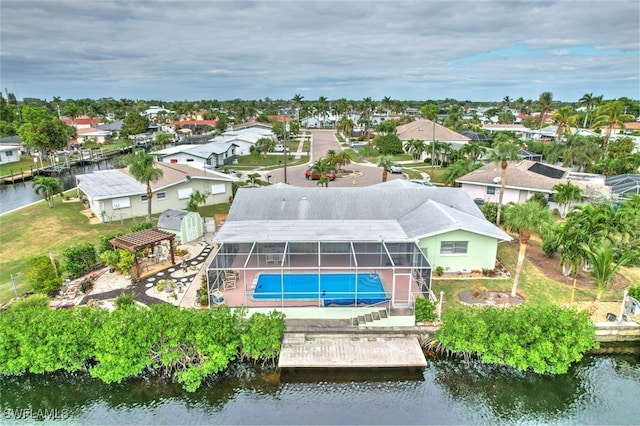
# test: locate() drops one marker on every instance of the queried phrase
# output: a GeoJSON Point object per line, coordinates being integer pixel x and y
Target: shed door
{"type": "Point", "coordinates": [191, 228]}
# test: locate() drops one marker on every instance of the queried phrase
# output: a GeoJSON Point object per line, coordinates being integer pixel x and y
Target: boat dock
{"type": "Point", "coordinates": [350, 350]}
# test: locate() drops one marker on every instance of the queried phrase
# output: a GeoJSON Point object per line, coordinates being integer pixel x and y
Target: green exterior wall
{"type": "Point", "coordinates": [481, 251]}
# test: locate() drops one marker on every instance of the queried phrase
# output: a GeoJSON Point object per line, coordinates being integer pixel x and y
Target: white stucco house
{"type": "Point", "coordinates": [524, 178]}
{"type": "Point", "coordinates": [9, 154]}
{"type": "Point", "coordinates": [116, 194]}
{"type": "Point", "coordinates": [209, 155]}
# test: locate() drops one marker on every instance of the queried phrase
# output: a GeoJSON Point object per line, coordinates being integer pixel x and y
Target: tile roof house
{"type": "Point", "coordinates": [526, 177]}
{"type": "Point", "coordinates": [427, 130]}
{"type": "Point", "coordinates": [115, 194]}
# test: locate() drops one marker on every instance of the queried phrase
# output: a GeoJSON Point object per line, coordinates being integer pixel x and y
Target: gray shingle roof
{"type": "Point", "coordinates": [287, 213]}
{"type": "Point", "coordinates": [109, 183]}
{"type": "Point", "coordinates": [172, 219]}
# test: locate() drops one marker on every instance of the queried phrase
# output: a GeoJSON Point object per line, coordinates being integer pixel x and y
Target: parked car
{"type": "Point", "coordinates": [316, 176]}
{"type": "Point", "coordinates": [395, 168]}
{"type": "Point", "coordinates": [358, 144]}
{"type": "Point", "coordinates": [280, 148]}
{"type": "Point", "coordinates": [421, 182]}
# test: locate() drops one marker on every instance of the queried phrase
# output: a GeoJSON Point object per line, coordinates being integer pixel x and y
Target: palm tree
{"type": "Point", "coordinates": [564, 194]}
{"type": "Point", "coordinates": [346, 125]}
{"type": "Point", "coordinates": [473, 151]}
{"type": "Point", "coordinates": [611, 115]}
{"type": "Point", "coordinates": [415, 147]}
{"type": "Point", "coordinates": [264, 145]}
{"type": "Point", "coordinates": [141, 168]}
{"type": "Point", "coordinates": [322, 167]}
{"type": "Point", "coordinates": [385, 161]}
{"type": "Point", "coordinates": [565, 118]}
{"type": "Point", "coordinates": [544, 102]}
{"type": "Point", "coordinates": [589, 102]}
{"type": "Point", "coordinates": [49, 186]}
{"type": "Point", "coordinates": [195, 199]}
{"type": "Point", "coordinates": [505, 149]}
{"type": "Point", "coordinates": [525, 219]}
{"type": "Point", "coordinates": [454, 171]}
{"type": "Point", "coordinates": [342, 159]}
{"type": "Point", "coordinates": [603, 268]}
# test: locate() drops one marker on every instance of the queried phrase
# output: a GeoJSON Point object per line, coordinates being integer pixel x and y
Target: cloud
{"type": "Point", "coordinates": [166, 50]}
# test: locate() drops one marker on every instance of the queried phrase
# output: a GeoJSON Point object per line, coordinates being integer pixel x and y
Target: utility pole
{"type": "Point", "coordinates": [284, 136]}
{"type": "Point", "coordinates": [433, 146]}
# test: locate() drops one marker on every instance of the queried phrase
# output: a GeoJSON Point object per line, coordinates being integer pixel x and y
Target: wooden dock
{"type": "Point", "coordinates": [300, 350]}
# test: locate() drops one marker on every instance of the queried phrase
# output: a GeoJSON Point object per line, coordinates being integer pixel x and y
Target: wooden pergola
{"type": "Point", "coordinates": [142, 239]}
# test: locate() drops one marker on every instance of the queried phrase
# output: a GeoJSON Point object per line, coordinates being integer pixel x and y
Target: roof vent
{"type": "Point", "coordinates": [497, 179]}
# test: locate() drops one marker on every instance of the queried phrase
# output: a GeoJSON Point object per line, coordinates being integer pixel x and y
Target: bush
{"type": "Point", "coordinates": [80, 259]}
{"type": "Point", "coordinates": [550, 245]}
{"type": "Point", "coordinates": [540, 198]}
{"type": "Point", "coordinates": [86, 285]}
{"type": "Point", "coordinates": [490, 211]}
{"type": "Point", "coordinates": [439, 271]}
{"type": "Point", "coordinates": [141, 226]}
{"type": "Point", "coordinates": [43, 275]}
{"type": "Point", "coordinates": [103, 242]}
{"type": "Point", "coordinates": [425, 310]}
{"type": "Point", "coordinates": [545, 339]}
{"type": "Point", "coordinates": [125, 300]}
{"type": "Point", "coordinates": [36, 300]}
{"type": "Point", "coordinates": [126, 259]}
{"type": "Point", "coordinates": [110, 258]}
{"type": "Point", "coordinates": [635, 292]}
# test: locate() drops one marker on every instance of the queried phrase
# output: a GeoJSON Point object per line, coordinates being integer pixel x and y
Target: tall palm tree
{"type": "Point", "coordinates": [611, 115]}
{"type": "Point", "coordinates": [48, 186]}
{"type": "Point", "coordinates": [346, 125]}
{"type": "Point", "coordinates": [385, 161]}
{"type": "Point", "coordinates": [564, 194]}
{"type": "Point", "coordinates": [565, 118]}
{"type": "Point", "coordinates": [525, 219]}
{"type": "Point", "coordinates": [321, 167]}
{"type": "Point", "coordinates": [415, 147]}
{"type": "Point", "coordinates": [589, 102]}
{"type": "Point", "coordinates": [505, 149]}
{"type": "Point", "coordinates": [141, 168]}
{"type": "Point", "coordinates": [544, 103]}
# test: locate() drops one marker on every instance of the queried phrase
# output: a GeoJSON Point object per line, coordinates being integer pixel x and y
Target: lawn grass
{"type": "Point", "coordinates": [25, 164]}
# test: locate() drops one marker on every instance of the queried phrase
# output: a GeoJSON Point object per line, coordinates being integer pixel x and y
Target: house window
{"type": "Point", "coordinates": [551, 198]}
{"type": "Point", "coordinates": [492, 190]}
{"type": "Point", "coordinates": [189, 160]}
{"type": "Point", "coordinates": [174, 161]}
{"type": "Point", "coordinates": [161, 195]}
{"type": "Point", "coordinates": [453, 247]}
{"type": "Point", "coordinates": [144, 198]}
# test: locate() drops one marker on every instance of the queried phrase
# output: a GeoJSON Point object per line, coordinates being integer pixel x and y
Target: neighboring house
{"type": "Point", "coordinates": [243, 141]}
{"type": "Point", "coordinates": [9, 154]}
{"type": "Point", "coordinates": [116, 194]}
{"type": "Point", "coordinates": [92, 135]}
{"type": "Point", "coordinates": [212, 154]}
{"type": "Point", "coordinates": [622, 186]}
{"type": "Point", "coordinates": [524, 178]}
{"type": "Point", "coordinates": [518, 129]}
{"type": "Point", "coordinates": [398, 232]}
{"type": "Point", "coordinates": [186, 225]}
{"type": "Point", "coordinates": [82, 122]}
{"type": "Point", "coordinates": [427, 130]}
{"type": "Point", "coordinates": [194, 125]}
{"type": "Point", "coordinates": [153, 111]}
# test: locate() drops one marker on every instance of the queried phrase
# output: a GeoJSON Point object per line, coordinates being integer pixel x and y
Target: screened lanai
{"type": "Point", "coordinates": [299, 273]}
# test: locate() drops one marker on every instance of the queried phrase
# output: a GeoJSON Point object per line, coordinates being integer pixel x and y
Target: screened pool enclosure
{"type": "Point", "coordinates": [319, 274]}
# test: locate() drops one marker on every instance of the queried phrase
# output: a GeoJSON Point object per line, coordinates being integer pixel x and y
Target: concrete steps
{"type": "Point", "coordinates": [369, 318]}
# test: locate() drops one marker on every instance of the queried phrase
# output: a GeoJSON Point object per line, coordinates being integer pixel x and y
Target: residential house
{"type": "Point", "coordinates": [524, 178]}
{"type": "Point", "coordinates": [209, 155]}
{"type": "Point", "coordinates": [116, 194]}
{"type": "Point", "coordinates": [9, 153]}
{"type": "Point", "coordinates": [91, 135]}
{"type": "Point", "coordinates": [397, 234]}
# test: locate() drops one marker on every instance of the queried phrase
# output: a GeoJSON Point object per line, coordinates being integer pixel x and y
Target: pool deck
{"type": "Point", "coordinates": [301, 350]}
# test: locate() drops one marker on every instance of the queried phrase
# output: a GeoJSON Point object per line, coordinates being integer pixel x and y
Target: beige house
{"type": "Point", "coordinates": [116, 194]}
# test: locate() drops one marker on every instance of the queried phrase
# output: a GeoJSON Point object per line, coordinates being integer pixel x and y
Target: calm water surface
{"type": "Point", "coordinates": [599, 390]}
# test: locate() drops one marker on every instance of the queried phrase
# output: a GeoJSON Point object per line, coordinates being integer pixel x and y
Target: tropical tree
{"type": "Point", "coordinates": [603, 267]}
{"type": "Point", "coordinates": [525, 219]}
{"type": "Point", "coordinates": [565, 118]}
{"type": "Point", "coordinates": [457, 169]}
{"type": "Point", "coordinates": [564, 194]}
{"type": "Point", "coordinates": [544, 103]}
{"type": "Point", "coordinates": [505, 149]}
{"type": "Point", "coordinates": [141, 168]}
{"type": "Point", "coordinates": [473, 151]}
{"type": "Point", "coordinates": [321, 167]}
{"type": "Point", "coordinates": [43, 131]}
{"type": "Point", "coordinates": [589, 102]}
{"type": "Point", "coordinates": [342, 159]}
{"type": "Point", "coordinates": [346, 125]}
{"type": "Point", "coordinates": [264, 145]}
{"type": "Point", "coordinates": [611, 115]}
{"type": "Point", "coordinates": [195, 199]}
{"type": "Point", "coordinates": [48, 186]}
{"type": "Point", "coordinates": [415, 147]}
{"type": "Point", "coordinates": [385, 161]}
{"type": "Point", "coordinates": [429, 111]}
{"type": "Point", "coordinates": [134, 124]}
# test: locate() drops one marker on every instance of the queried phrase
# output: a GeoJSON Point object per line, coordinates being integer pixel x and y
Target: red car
{"type": "Point", "coordinates": [316, 176]}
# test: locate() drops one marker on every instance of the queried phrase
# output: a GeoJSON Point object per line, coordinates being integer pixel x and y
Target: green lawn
{"type": "Point", "coordinates": [25, 164]}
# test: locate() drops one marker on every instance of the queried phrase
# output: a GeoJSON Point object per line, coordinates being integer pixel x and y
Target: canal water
{"type": "Point", "coordinates": [599, 390]}
{"type": "Point", "coordinates": [20, 194]}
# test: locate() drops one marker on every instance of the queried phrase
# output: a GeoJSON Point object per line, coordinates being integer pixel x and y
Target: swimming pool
{"type": "Point", "coordinates": [339, 289]}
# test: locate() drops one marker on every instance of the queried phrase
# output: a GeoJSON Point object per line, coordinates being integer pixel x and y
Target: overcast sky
{"type": "Point", "coordinates": [414, 50]}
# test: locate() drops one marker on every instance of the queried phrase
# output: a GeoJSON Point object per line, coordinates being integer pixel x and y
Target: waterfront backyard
{"type": "Point", "coordinates": [39, 230]}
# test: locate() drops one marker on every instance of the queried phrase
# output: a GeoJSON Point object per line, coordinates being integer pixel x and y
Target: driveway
{"type": "Point", "coordinates": [358, 174]}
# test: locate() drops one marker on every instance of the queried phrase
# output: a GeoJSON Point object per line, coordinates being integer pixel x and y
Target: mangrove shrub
{"type": "Point", "coordinates": [545, 339]}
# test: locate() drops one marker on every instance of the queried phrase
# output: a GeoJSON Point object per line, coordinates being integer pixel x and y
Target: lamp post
{"type": "Point", "coordinates": [433, 146]}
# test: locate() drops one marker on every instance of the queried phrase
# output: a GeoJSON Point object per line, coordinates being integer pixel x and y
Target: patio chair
{"type": "Point", "coordinates": [272, 258]}
{"type": "Point", "coordinates": [229, 281]}
{"type": "Point", "coordinates": [218, 298]}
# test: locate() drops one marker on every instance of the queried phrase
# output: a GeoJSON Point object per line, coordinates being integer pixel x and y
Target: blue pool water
{"type": "Point", "coordinates": [339, 289]}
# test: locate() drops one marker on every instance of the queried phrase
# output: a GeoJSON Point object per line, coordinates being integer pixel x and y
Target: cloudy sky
{"type": "Point", "coordinates": [409, 50]}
